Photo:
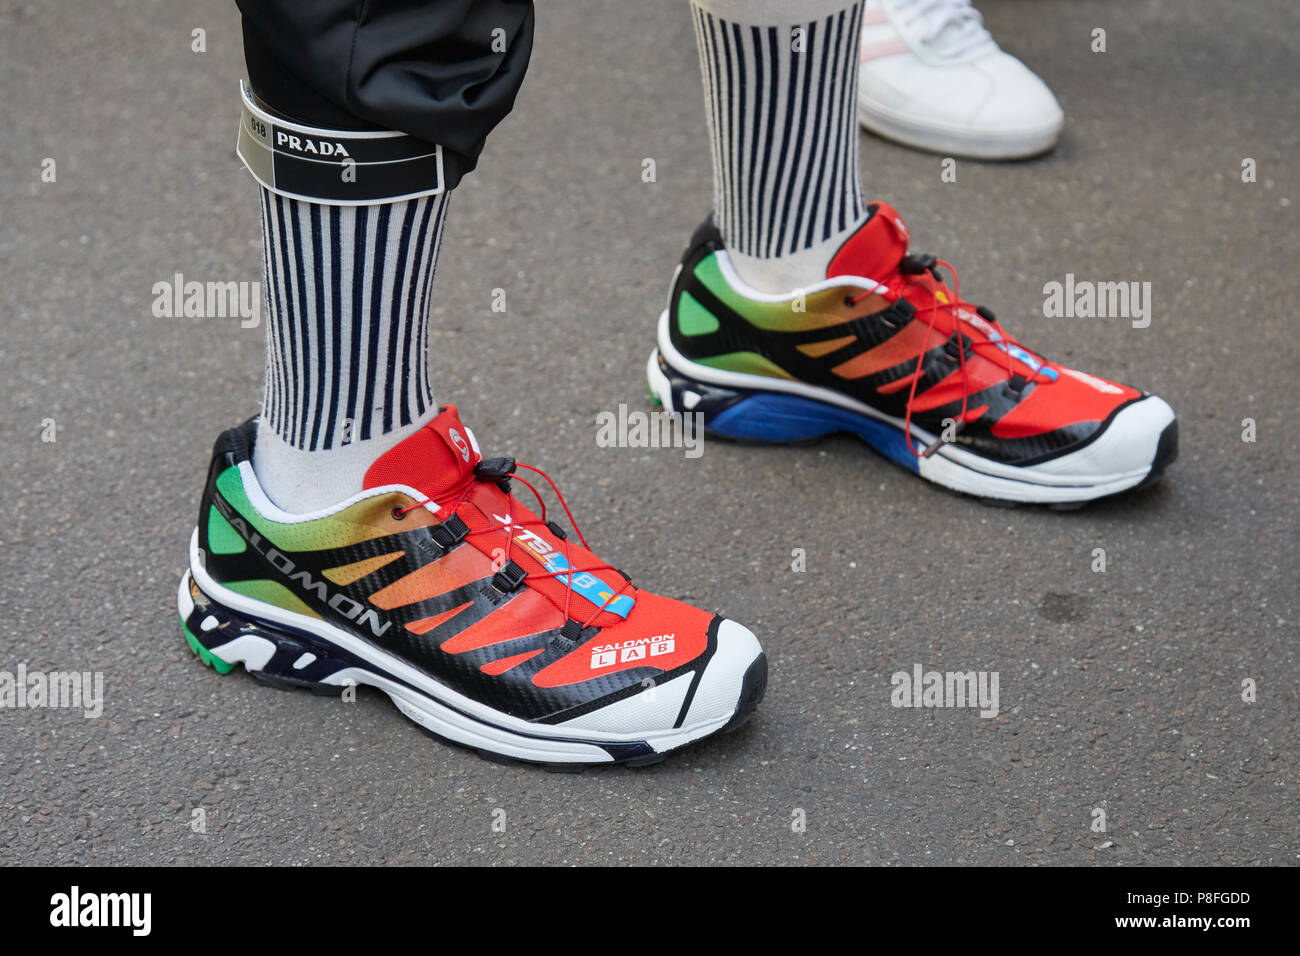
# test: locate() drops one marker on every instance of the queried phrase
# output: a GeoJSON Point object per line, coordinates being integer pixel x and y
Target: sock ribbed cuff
{"type": "Point", "coordinates": [774, 12]}
{"type": "Point", "coordinates": [782, 111]}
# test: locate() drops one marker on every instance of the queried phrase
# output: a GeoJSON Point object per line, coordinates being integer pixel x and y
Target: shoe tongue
{"type": "Point", "coordinates": [437, 457]}
{"type": "Point", "coordinates": [875, 249]}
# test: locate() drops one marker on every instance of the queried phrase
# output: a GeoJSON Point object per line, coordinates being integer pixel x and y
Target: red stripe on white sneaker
{"type": "Point", "coordinates": [885, 48]}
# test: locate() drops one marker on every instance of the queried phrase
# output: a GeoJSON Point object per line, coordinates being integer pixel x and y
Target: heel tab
{"type": "Point", "coordinates": [236, 444]}
{"type": "Point", "coordinates": [706, 238]}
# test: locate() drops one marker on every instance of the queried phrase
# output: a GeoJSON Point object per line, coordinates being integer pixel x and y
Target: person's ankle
{"type": "Point", "coordinates": [303, 482]}
{"type": "Point", "coordinates": [780, 275]}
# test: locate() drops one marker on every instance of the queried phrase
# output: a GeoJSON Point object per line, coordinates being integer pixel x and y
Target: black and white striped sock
{"type": "Point", "coordinates": [347, 300]}
{"type": "Point", "coordinates": [780, 90]}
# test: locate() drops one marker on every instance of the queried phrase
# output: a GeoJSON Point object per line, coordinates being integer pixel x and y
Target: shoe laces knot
{"type": "Point", "coordinates": [971, 328]}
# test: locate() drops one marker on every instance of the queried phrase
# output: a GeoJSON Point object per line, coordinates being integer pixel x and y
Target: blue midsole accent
{"type": "Point", "coordinates": [774, 416]}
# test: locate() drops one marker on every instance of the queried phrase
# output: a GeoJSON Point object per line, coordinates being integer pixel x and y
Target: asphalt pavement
{"type": "Point", "coordinates": [1157, 697]}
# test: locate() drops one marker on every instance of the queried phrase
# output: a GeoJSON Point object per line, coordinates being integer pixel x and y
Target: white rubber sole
{"type": "Point", "coordinates": [449, 714]}
{"type": "Point", "coordinates": [952, 141]}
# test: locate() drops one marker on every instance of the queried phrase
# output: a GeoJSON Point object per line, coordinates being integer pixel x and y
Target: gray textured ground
{"type": "Point", "coordinates": [1120, 691]}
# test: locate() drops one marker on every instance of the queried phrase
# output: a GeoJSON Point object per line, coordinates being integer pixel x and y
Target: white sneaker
{"type": "Point", "coordinates": [933, 77]}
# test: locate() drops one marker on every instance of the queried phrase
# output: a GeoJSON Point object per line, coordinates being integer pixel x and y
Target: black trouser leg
{"type": "Point", "coordinates": [443, 71]}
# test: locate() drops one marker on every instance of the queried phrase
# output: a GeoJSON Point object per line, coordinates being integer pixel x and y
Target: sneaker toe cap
{"type": "Point", "coordinates": [722, 687]}
{"type": "Point", "coordinates": [1016, 101]}
{"type": "Point", "coordinates": [1127, 447]}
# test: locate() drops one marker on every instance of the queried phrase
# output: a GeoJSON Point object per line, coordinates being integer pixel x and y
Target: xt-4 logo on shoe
{"type": "Point", "coordinates": [594, 589]}
{"type": "Point", "coordinates": [459, 441]}
{"type": "Point", "coordinates": [305, 144]}
{"type": "Point", "coordinates": [539, 546]}
{"type": "Point", "coordinates": [354, 611]}
{"type": "Point", "coordinates": [607, 655]}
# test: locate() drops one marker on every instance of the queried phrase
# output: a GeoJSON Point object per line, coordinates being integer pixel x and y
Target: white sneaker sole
{"type": "Point", "coordinates": [288, 649]}
{"type": "Point", "coordinates": [955, 141]}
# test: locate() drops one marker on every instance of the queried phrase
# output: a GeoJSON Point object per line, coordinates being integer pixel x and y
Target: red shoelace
{"type": "Point", "coordinates": [910, 270]}
{"type": "Point", "coordinates": [459, 495]}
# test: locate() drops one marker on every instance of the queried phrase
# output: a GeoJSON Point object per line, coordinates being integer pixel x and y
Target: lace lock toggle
{"type": "Point", "coordinates": [508, 579]}
{"type": "Point", "coordinates": [450, 533]}
{"type": "Point", "coordinates": [915, 264]}
{"type": "Point", "coordinates": [496, 469]}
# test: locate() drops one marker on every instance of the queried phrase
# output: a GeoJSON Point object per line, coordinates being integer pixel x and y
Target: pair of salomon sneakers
{"type": "Point", "coordinates": [493, 625]}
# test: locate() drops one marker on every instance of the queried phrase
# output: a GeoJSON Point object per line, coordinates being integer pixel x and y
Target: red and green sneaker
{"type": "Point", "coordinates": [486, 623]}
{"type": "Point", "coordinates": [885, 349]}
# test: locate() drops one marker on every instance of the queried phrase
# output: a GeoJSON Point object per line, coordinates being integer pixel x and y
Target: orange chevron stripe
{"type": "Point", "coordinates": [914, 338]}
{"type": "Point", "coordinates": [898, 384]}
{"type": "Point", "coordinates": [435, 578]}
{"type": "Point", "coordinates": [503, 665]}
{"type": "Point", "coordinates": [980, 374]}
{"type": "Point", "coordinates": [347, 573]}
{"type": "Point", "coordinates": [818, 349]}
{"type": "Point", "coordinates": [424, 625]}
{"type": "Point", "coordinates": [525, 614]}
